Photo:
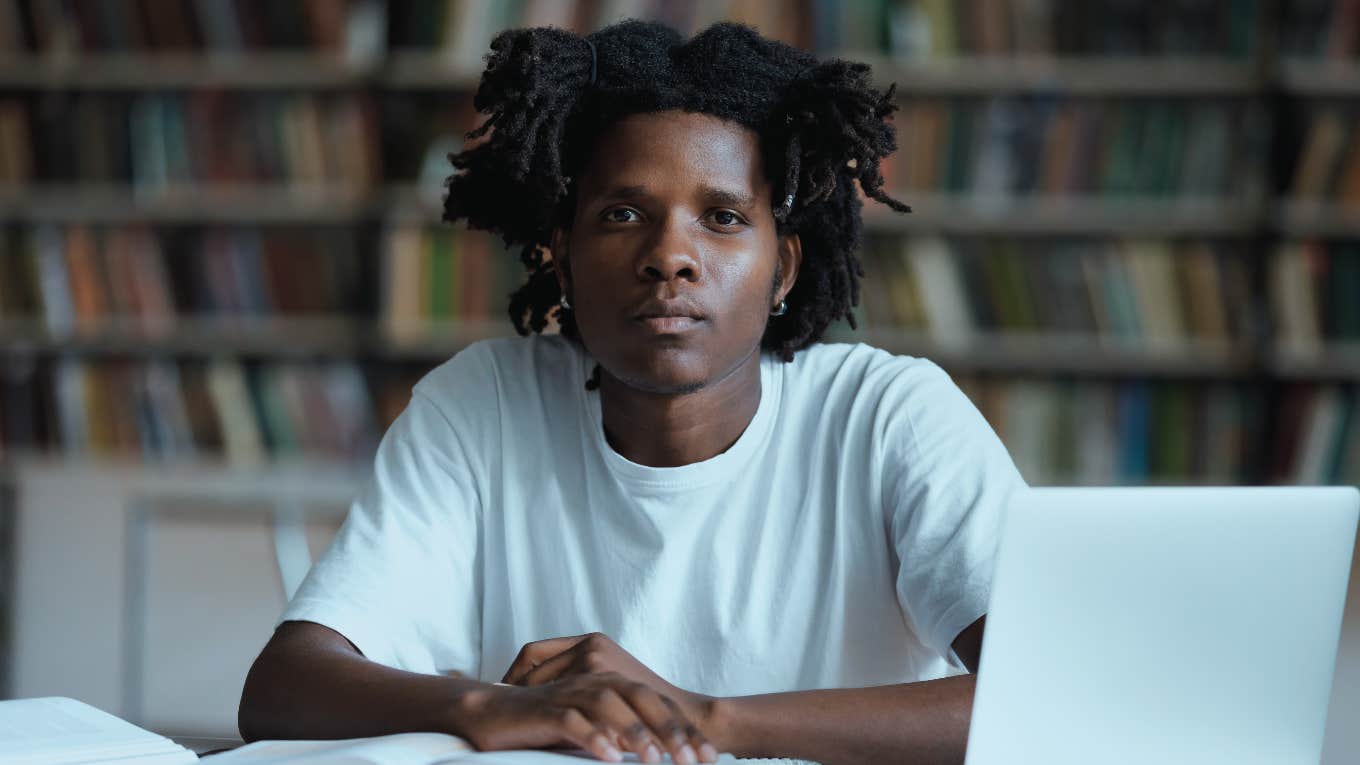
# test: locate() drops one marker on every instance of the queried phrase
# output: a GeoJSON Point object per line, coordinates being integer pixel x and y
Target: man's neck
{"type": "Point", "coordinates": [669, 430]}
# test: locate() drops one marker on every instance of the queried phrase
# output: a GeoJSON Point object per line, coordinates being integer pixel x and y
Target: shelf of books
{"type": "Point", "coordinates": [1136, 237]}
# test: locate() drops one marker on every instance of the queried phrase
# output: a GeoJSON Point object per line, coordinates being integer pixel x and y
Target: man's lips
{"type": "Point", "coordinates": [668, 317]}
{"type": "Point", "coordinates": [668, 325]}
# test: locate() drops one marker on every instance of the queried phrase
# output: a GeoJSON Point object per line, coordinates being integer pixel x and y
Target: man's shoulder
{"type": "Point", "coordinates": [499, 365]}
{"type": "Point", "coordinates": [858, 369]}
{"type": "Point", "coordinates": [859, 386]}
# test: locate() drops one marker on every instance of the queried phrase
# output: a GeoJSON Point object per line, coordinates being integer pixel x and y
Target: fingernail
{"type": "Point", "coordinates": [612, 754]}
{"type": "Point", "coordinates": [708, 753]}
{"type": "Point", "coordinates": [686, 755]}
{"type": "Point", "coordinates": [651, 754]}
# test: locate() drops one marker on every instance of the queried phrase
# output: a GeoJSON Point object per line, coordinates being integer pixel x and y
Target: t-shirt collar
{"type": "Point", "coordinates": [694, 475]}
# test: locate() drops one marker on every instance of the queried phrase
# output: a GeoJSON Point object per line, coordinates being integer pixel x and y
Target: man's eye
{"type": "Point", "coordinates": [620, 215]}
{"type": "Point", "coordinates": [726, 218]}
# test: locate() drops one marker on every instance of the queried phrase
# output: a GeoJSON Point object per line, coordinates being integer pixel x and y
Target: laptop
{"type": "Point", "coordinates": [1164, 625]}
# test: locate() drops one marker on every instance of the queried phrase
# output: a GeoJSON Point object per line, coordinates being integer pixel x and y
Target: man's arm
{"type": "Point", "coordinates": [924, 722]}
{"type": "Point", "coordinates": [968, 645]}
{"type": "Point", "coordinates": [310, 683]}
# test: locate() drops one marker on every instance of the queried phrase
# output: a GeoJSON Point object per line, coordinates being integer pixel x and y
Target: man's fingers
{"type": "Point", "coordinates": [549, 670]}
{"type": "Point", "coordinates": [581, 731]}
{"type": "Point", "coordinates": [706, 751]}
{"type": "Point", "coordinates": [667, 722]}
{"type": "Point", "coordinates": [537, 652]}
{"type": "Point", "coordinates": [608, 710]}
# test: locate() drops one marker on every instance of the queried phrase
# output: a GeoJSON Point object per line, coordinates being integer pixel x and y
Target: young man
{"type": "Point", "coordinates": [683, 525]}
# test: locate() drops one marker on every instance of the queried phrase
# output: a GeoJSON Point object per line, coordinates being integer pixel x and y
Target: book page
{"type": "Point", "coordinates": [400, 749]}
{"type": "Point", "coordinates": [396, 749]}
{"type": "Point", "coordinates": [59, 730]}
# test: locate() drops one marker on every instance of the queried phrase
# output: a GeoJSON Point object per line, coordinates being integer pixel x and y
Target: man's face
{"type": "Point", "coordinates": [671, 257]}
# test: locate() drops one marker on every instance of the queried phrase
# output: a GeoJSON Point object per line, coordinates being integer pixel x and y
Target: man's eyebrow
{"type": "Point", "coordinates": [622, 192]}
{"type": "Point", "coordinates": [712, 194]}
{"type": "Point", "coordinates": [727, 197]}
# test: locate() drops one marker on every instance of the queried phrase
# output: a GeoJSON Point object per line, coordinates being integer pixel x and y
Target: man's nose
{"type": "Point", "coordinates": [670, 254]}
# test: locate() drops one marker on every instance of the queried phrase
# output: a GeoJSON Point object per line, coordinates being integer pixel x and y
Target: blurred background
{"type": "Point", "coordinates": [1136, 245]}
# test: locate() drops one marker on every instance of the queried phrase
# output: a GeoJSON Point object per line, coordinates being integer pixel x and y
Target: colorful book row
{"type": "Point", "coordinates": [943, 28]}
{"type": "Point", "coordinates": [16, 144]}
{"type": "Point", "coordinates": [353, 27]}
{"type": "Point", "coordinates": [443, 274]}
{"type": "Point", "coordinates": [1326, 162]}
{"type": "Point", "coordinates": [168, 142]}
{"type": "Point", "coordinates": [1318, 436]}
{"type": "Point", "coordinates": [1147, 293]}
{"type": "Point", "coordinates": [159, 410]}
{"type": "Point", "coordinates": [1031, 145]}
{"type": "Point", "coordinates": [461, 29]}
{"type": "Point", "coordinates": [80, 277]}
{"type": "Point", "coordinates": [1065, 432]}
{"type": "Point", "coordinates": [1315, 294]}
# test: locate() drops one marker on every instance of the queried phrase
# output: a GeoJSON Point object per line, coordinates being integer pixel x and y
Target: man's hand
{"type": "Point", "coordinates": [547, 661]}
{"type": "Point", "coordinates": [601, 713]}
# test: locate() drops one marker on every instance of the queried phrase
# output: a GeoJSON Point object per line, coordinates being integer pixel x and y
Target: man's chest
{"type": "Point", "coordinates": [741, 591]}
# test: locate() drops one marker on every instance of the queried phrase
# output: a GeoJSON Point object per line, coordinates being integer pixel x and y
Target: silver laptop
{"type": "Point", "coordinates": [1164, 626]}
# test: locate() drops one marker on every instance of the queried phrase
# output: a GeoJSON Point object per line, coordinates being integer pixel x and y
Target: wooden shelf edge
{"type": "Point", "coordinates": [1331, 361]}
{"type": "Point", "coordinates": [1315, 217]}
{"type": "Point", "coordinates": [1072, 214]}
{"type": "Point", "coordinates": [456, 70]}
{"type": "Point", "coordinates": [266, 202]}
{"type": "Point", "coordinates": [271, 70]}
{"type": "Point", "coordinates": [1092, 75]}
{"type": "Point", "coordinates": [1316, 76]}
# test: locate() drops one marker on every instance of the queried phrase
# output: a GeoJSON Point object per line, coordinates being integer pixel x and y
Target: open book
{"type": "Point", "coordinates": [398, 749]}
{"type": "Point", "coordinates": [58, 731]}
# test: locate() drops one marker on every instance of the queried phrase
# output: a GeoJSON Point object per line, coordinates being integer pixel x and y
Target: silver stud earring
{"type": "Point", "coordinates": [566, 304]}
{"type": "Point", "coordinates": [780, 309]}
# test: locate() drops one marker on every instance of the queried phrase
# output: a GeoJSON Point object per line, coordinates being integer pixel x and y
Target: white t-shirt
{"type": "Point", "coordinates": [844, 540]}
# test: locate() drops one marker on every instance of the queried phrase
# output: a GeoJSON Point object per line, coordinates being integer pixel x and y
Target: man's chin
{"type": "Point", "coordinates": [663, 384]}
{"type": "Point", "coordinates": [663, 376]}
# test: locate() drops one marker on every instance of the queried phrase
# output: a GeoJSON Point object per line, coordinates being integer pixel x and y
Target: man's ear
{"type": "Point", "coordinates": [561, 266]}
{"type": "Point", "coordinates": [790, 258]}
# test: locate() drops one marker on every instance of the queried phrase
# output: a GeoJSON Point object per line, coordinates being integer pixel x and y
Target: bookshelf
{"type": "Point", "coordinates": [1084, 214]}
{"type": "Point", "coordinates": [256, 203]}
{"type": "Point", "coordinates": [1076, 75]}
{"type": "Point", "coordinates": [414, 69]}
{"type": "Point", "coordinates": [136, 71]}
{"type": "Point", "coordinates": [1194, 124]}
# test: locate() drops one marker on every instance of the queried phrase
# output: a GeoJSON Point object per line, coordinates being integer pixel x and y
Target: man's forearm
{"type": "Point", "coordinates": [315, 691]}
{"type": "Point", "coordinates": [925, 722]}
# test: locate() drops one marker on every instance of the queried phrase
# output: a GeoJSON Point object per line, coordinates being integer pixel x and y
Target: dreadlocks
{"type": "Point", "coordinates": [549, 93]}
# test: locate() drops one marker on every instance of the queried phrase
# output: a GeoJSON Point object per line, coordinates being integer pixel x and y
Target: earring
{"type": "Point", "coordinates": [780, 309]}
{"type": "Point", "coordinates": [566, 304]}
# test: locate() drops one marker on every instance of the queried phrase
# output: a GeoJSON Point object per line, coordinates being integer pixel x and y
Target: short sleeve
{"type": "Point", "coordinates": [401, 580]}
{"type": "Point", "coordinates": [948, 480]}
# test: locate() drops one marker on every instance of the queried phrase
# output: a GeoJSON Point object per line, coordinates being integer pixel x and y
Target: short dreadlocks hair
{"type": "Point", "coordinates": [549, 93]}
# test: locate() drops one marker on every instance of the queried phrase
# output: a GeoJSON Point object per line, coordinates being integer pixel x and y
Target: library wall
{"type": "Point", "coordinates": [1135, 245]}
